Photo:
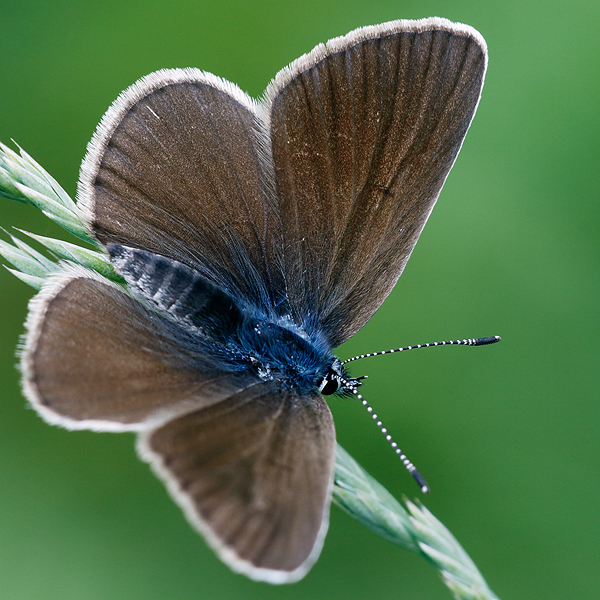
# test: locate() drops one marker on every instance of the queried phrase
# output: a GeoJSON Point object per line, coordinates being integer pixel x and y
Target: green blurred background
{"type": "Point", "coordinates": [506, 435]}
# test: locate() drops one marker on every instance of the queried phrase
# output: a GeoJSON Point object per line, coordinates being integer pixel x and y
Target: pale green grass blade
{"type": "Point", "coordinates": [31, 280]}
{"type": "Point", "coordinates": [44, 261]}
{"type": "Point", "coordinates": [361, 496]}
{"type": "Point", "coordinates": [23, 179]}
{"type": "Point", "coordinates": [26, 262]}
{"type": "Point", "coordinates": [366, 500]}
{"type": "Point", "coordinates": [54, 186]}
{"type": "Point", "coordinates": [26, 176]}
{"type": "Point", "coordinates": [91, 259]}
{"type": "Point", "coordinates": [73, 226]}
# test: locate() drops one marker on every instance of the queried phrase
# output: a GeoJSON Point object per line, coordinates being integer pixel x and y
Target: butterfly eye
{"type": "Point", "coordinates": [330, 384]}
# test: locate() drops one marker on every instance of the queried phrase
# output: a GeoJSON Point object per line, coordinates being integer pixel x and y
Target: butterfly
{"type": "Point", "coordinates": [254, 237]}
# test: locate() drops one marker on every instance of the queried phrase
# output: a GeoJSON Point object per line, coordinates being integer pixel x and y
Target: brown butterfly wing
{"type": "Point", "coordinates": [96, 358]}
{"type": "Point", "coordinates": [179, 167]}
{"type": "Point", "coordinates": [254, 474]}
{"type": "Point", "coordinates": [365, 131]}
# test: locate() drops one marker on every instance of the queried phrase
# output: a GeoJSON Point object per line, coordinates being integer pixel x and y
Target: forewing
{"type": "Point", "coordinates": [364, 133]}
{"type": "Point", "coordinates": [253, 474]}
{"type": "Point", "coordinates": [96, 358]}
{"type": "Point", "coordinates": [178, 167]}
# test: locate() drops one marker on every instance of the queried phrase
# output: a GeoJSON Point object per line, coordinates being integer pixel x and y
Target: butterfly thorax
{"type": "Point", "coordinates": [276, 352]}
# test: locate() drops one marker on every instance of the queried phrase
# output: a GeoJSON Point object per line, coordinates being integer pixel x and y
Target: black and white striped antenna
{"type": "Point", "coordinates": [409, 466]}
{"type": "Point", "coordinates": [352, 388]}
{"type": "Point", "coordinates": [470, 342]}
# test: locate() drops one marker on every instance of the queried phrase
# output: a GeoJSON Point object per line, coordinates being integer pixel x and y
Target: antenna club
{"type": "Point", "coordinates": [421, 482]}
{"type": "Point", "coordinates": [487, 340]}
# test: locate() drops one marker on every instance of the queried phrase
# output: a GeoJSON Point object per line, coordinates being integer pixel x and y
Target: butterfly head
{"type": "Point", "coordinates": [337, 381]}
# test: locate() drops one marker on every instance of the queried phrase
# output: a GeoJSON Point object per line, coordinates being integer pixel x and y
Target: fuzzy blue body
{"type": "Point", "coordinates": [282, 354]}
{"type": "Point", "coordinates": [219, 334]}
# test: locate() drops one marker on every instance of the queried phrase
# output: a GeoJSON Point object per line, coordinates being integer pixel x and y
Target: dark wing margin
{"type": "Point", "coordinates": [254, 475]}
{"type": "Point", "coordinates": [364, 131]}
{"type": "Point", "coordinates": [96, 358]}
{"type": "Point", "coordinates": [180, 166]}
